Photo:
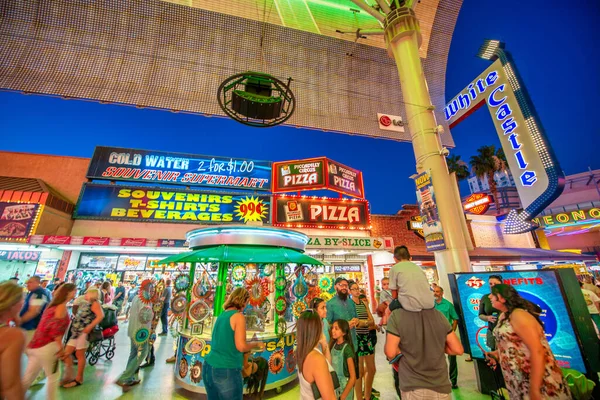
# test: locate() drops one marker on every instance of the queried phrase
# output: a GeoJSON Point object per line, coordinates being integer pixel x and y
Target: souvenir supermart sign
{"type": "Point", "coordinates": [538, 176]}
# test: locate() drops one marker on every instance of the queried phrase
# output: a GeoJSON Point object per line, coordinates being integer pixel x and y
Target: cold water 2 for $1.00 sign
{"type": "Point", "coordinates": [142, 204]}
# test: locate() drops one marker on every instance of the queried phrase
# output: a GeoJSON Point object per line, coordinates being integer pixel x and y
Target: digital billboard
{"type": "Point", "coordinates": [540, 287]}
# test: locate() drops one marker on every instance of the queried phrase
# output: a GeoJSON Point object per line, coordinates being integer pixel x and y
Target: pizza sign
{"type": "Point", "coordinates": [304, 212]}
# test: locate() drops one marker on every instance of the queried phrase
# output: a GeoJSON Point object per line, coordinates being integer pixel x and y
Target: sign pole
{"type": "Point", "coordinates": [402, 34]}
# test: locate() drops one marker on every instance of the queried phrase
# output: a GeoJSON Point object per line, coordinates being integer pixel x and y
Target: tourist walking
{"type": "Point", "coordinates": [35, 303]}
{"type": "Point", "coordinates": [448, 310]}
{"type": "Point", "coordinates": [366, 349]}
{"type": "Point", "coordinates": [222, 372]}
{"type": "Point", "coordinates": [89, 314]}
{"type": "Point", "coordinates": [12, 341]}
{"type": "Point", "coordinates": [119, 297]}
{"type": "Point", "coordinates": [46, 346]}
{"type": "Point", "coordinates": [527, 363]}
{"type": "Point", "coordinates": [164, 315]}
{"type": "Point", "coordinates": [314, 370]}
{"type": "Point", "coordinates": [139, 333]}
{"type": "Point", "coordinates": [341, 307]}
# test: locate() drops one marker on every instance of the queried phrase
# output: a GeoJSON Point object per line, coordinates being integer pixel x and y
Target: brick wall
{"type": "Point", "coordinates": [396, 226]}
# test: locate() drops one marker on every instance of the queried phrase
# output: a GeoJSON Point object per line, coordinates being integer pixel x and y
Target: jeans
{"type": "Point", "coordinates": [43, 358]}
{"type": "Point", "coordinates": [453, 369]}
{"type": "Point", "coordinates": [164, 318]}
{"type": "Point", "coordinates": [222, 383]}
{"type": "Point", "coordinates": [137, 354]}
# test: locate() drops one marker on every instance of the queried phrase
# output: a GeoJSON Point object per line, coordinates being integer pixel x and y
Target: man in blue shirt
{"type": "Point", "coordinates": [447, 309]}
{"type": "Point", "coordinates": [341, 307]}
{"type": "Point", "coordinates": [164, 319]}
{"type": "Point", "coordinates": [35, 303]}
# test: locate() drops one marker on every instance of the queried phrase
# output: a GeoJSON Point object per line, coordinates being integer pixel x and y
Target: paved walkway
{"type": "Point", "coordinates": [158, 383]}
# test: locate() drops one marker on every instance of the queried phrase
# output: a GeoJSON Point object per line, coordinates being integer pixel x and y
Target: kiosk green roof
{"type": "Point", "coordinates": [243, 254]}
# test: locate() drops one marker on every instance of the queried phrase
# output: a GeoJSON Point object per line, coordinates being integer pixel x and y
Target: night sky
{"type": "Point", "coordinates": [552, 43]}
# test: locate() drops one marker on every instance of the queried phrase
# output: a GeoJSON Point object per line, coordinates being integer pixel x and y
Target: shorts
{"type": "Point", "coordinates": [366, 346]}
{"type": "Point", "coordinates": [373, 334]}
{"type": "Point", "coordinates": [80, 343]}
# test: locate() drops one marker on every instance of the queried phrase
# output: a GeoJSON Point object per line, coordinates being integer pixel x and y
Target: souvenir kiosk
{"type": "Point", "coordinates": [281, 280]}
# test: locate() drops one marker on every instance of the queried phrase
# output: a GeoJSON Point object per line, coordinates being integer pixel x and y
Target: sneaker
{"type": "Point", "coordinates": [133, 382]}
{"type": "Point", "coordinates": [162, 334]}
{"type": "Point", "coordinates": [171, 360]}
{"type": "Point", "coordinates": [375, 391]}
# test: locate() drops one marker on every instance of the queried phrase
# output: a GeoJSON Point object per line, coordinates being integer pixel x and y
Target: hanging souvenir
{"type": "Point", "coordinates": [182, 283]}
{"type": "Point", "coordinates": [265, 307]}
{"type": "Point", "coordinates": [178, 303]}
{"type": "Point", "coordinates": [300, 289]}
{"type": "Point", "coordinates": [147, 291]}
{"type": "Point", "coordinates": [194, 346]}
{"type": "Point", "coordinates": [313, 292]}
{"type": "Point", "coordinates": [290, 363]}
{"type": "Point", "coordinates": [298, 308]}
{"type": "Point", "coordinates": [265, 282]}
{"type": "Point", "coordinates": [288, 270]}
{"type": "Point", "coordinates": [141, 336]}
{"type": "Point", "coordinates": [276, 361]}
{"type": "Point", "coordinates": [267, 270]}
{"type": "Point", "coordinates": [280, 283]}
{"type": "Point", "coordinates": [201, 288]}
{"type": "Point", "coordinates": [280, 305]}
{"type": "Point", "coordinates": [326, 296]}
{"type": "Point", "coordinates": [325, 283]}
{"type": "Point", "coordinates": [238, 273]}
{"type": "Point", "coordinates": [311, 279]}
{"type": "Point", "coordinates": [198, 311]}
{"type": "Point", "coordinates": [145, 315]}
{"type": "Point", "coordinates": [157, 308]}
{"type": "Point", "coordinates": [281, 327]}
{"type": "Point", "coordinates": [257, 292]}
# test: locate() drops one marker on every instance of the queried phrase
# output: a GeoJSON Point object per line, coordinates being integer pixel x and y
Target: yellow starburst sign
{"type": "Point", "coordinates": [251, 209]}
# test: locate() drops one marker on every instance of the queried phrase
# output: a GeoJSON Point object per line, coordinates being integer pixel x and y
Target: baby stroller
{"type": "Point", "coordinates": [102, 338]}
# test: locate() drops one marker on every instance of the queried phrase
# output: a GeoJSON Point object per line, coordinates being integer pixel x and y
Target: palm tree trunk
{"type": "Point", "coordinates": [494, 190]}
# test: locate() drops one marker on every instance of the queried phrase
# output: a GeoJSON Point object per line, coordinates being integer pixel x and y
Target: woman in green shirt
{"type": "Point", "coordinates": [222, 372]}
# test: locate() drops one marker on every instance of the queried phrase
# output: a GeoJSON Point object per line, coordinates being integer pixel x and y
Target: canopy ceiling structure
{"type": "Point", "coordinates": [173, 55]}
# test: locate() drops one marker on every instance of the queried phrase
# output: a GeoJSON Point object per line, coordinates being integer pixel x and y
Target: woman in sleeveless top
{"type": "Point", "coordinates": [12, 341]}
{"type": "Point", "coordinates": [46, 346]}
{"type": "Point", "coordinates": [528, 365]}
{"type": "Point", "coordinates": [313, 367]}
{"type": "Point", "coordinates": [89, 314]}
{"type": "Point", "coordinates": [222, 372]}
{"type": "Point", "coordinates": [366, 347]}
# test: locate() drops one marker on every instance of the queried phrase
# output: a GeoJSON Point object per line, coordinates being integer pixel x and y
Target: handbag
{"type": "Point", "coordinates": [315, 389]}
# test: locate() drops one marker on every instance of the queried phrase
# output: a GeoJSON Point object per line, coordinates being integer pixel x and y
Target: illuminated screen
{"type": "Point", "coordinates": [539, 287]}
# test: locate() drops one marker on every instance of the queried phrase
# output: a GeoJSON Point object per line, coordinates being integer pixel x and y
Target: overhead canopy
{"type": "Point", "coordinates": [243, 254]}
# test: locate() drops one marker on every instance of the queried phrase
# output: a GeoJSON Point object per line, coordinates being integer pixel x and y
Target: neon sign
{"type": "Point", "coordinates": [478, 203]}
{"type": "Point", "coordinates": [539, 178]}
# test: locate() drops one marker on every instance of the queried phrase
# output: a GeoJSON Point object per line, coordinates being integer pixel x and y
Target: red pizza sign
{"type": "Point", "coordinates": [314, 212]}
{"type": "Point", "coordinates": [478, 203]}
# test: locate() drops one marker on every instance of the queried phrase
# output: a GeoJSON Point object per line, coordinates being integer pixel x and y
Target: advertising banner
{"type": "Point", "coordinates": [315, 174]}
{"type": "Point", "coordinates": [17, 220]}
{"type": "Point", "coordinates": [292, 176]}
{"type": "Point", "coordinates": [589, 216]}
{"type": "Point", "coordinates": [343, 179]}
{"type": "Point", "coordinates": [305, 212]}
{"type": "Point", "coordinates": [541, 288]}
{"type": "Point", "coordinates": [114, 163]}
{"type": "Point", "coordinates": [145, 204]}
{"type": "Point", "coordinates": [432, 227]}
{"type": "Point", "coordinates": [352, 243]}
{"type": "Point", "coordinates": [19, 255]}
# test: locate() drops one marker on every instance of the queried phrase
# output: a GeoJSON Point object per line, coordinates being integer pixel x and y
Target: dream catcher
{"type": "Point", "coordinates": [280, 283]}
{"type": "Point", "coordinates": [182, 283]}
{"type": "Point", "coordinates": [147, 291]}
{"type": "Point", "coordinates": [325, 283]}
{"type": "Point", "coordinates": [178, 303]}
{"type": "Point", "coordinates": [198, 311]}
{"type": "Point", "coordinates": [300, 289]}
{"type": "Point", "coordinates": [258, 292]}
{"type": "Point", "coordinates": [280, 305]}
{"type": "Point", "coordinates": [276, 361]}
{"type": "Point", "coordinates": [267, 270]}
{"type": "Point", "coordinates": [298, 308]}
{"type": "Point", "coordinates": [201, 289]}
{"type": "Point", "coordinates": [238, 273]}
{"type": "Point", "coordinates": [141, 336]}
{"type": "Point", "coordinates": [281, 327]}
{"type": "Point", "coordinates": [313, 292]}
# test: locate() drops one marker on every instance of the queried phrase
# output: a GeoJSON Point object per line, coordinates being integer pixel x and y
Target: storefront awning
{"type": "Point", "coordinates": [243, 254]}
